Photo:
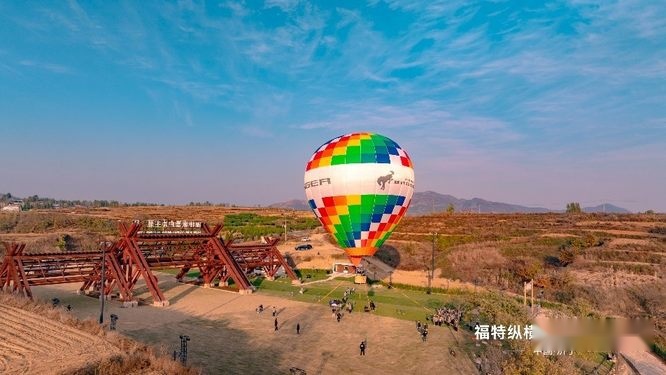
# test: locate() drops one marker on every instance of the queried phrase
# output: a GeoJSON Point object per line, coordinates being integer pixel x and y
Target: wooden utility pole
{"type": "Point", "coordinates": [102, 288]}
{"type": "Point", "coordinates": [432, 264]}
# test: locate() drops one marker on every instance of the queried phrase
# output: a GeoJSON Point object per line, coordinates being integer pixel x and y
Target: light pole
{"type": "Point", "coordinates": [285, 226]}
{"type": "Point", "coordinates": [432, 264]}
{"type": "Point", "coordinates": [101, 285]}
{"type": "Point", "coordinates": [183, 348]}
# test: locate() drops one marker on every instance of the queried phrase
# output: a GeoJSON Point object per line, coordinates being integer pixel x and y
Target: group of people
{"type": "Point", "coordinates": [276, 324]}
{"type": "Point", "coordinates": [338, 306]}
{"type": "Point", "coordinates": [447, 316]}
{"type": "Point", "coordinates": [349, 292]}
{"type": "Point", "coordinates": [346, 304]}
{"type": "Point", "coordinates": [423, 330]}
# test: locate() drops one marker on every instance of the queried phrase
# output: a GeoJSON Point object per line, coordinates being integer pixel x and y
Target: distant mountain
{"type": "Point", "coordinates": [429, 202]}
{"type": "Point", "coordinates": [294, 204]}
{"type": "Point", "coordinates": [607, 208]}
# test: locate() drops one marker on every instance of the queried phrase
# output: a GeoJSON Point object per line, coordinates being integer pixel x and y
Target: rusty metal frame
{"type": "Point", "coordinates": [134, 255]}
{"type": "Point", "coordinates": [19, 271]}
{"type": "Point", "coordinates": [265, 256]}
{"type": "Point", "coordinates": [12, 276]}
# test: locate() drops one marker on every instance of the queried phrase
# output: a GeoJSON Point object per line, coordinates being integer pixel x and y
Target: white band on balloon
{"type": "Point", "coordinates": [359, 179]}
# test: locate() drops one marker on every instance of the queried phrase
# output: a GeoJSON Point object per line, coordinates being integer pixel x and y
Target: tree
{"type": "Point", "coordinates": [525, 268]}
{"type": "Point", "coordinates": [65, 242]}
{"type": "Point", "coordinates": [573, 208]}
{"type": "Point", "coordinates": [566, 255]}
{"type": "Point", "coordinates": [450, 209]}
{"type": "Point", "coordinates": [568, 252]}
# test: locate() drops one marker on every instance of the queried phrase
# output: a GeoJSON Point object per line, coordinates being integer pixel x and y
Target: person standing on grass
{"type": "Point", "coordinates": [276, 325]}
{"type": "Point", "coordinates": [362, 347]}
{"type": "Point", "coordinates": [298, 328]}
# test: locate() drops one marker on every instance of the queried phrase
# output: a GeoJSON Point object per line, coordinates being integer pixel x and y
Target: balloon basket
{"type": "Point", "coordinates": [360, 279]}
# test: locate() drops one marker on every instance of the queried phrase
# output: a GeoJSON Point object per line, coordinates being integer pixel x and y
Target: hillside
{"type": "Point", "coordinates": [428, 202]}
{"type": "Point", "coordinates": [294, 204]}
{"type": "Point", "coordinates": [40, 339]}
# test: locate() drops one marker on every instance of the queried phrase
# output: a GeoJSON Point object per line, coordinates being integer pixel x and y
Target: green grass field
{"type": "Point", "coordinates": [396, 303]}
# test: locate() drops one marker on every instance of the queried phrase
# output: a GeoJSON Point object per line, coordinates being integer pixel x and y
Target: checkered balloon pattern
{"type": "Point", "coordinates": [359, 186]}
{"type": "Point", "coordinates": [360, 220]}
{"type": "Point", "coordinates": [359, 148]}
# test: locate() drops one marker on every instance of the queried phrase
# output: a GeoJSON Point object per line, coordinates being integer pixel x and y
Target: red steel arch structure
{"type": "Point", "coordinates": [134, 255]}
{"type": "Point", "coordinates": [261, 255]}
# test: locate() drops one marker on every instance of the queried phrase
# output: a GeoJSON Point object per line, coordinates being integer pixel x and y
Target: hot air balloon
{"type": "Point", "coordinates": [359, 186]}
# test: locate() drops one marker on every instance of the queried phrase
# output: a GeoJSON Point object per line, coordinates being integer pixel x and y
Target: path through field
{"type": "Point", "coordinates": [634, 351]}
{"type": "Point", "coordinates": [31, 344]}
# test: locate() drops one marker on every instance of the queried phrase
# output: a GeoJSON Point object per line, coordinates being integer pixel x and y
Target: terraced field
{"type": "Point", "coordinates": [32, 344]}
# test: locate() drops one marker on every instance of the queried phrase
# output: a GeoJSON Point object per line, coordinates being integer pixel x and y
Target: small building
{"type": "Point", "coordinates": [11, 208]}
{"type": "Point", "coordinates": [344, 268]}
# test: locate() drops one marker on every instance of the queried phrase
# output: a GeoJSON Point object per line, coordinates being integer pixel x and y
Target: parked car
{"type": "Point", "coordinates": [305, 239]}
{"type": "Point", "coordinates": [305, 246]}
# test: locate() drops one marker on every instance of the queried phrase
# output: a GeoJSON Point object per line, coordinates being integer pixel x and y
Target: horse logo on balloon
{"type": "Point", "coordinates": [381, 181]}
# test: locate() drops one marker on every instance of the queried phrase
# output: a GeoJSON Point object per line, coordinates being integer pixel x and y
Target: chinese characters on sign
{"type": "Point", "coordinates": [517, 332]}
{"type": "Point", "coordinates": [172, 226]}
{"type": "Point", "coordinates": [501, 332]}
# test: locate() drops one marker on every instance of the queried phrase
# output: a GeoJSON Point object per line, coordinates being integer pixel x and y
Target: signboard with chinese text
{"type": "Point", "coordinates": [170, 226]}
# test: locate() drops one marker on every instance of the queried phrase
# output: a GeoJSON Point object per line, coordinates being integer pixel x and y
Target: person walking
{"type": "Point", "coordinates": [298, 328]}
{"type": "Point", "coordinates": [276, 325]}
{"type": "Point", "coordinates": [362, 347]}
{"type": "Point", "coordinates": [274, 311]}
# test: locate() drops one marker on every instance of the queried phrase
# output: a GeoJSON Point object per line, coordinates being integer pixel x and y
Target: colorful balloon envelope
{"type": "Point", "coordinates": [359, 186]}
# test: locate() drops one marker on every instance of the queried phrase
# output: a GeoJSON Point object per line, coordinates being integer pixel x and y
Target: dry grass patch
{"type": "Point", "coordinates": [131, 357]}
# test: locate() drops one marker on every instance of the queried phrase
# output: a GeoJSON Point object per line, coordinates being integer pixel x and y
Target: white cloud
{"type": "Point", "coordinates": [285, 5]}
{"type": "Point", "coordinates": [257, 132]}
{"type": "Point", "coordinates": [425, 119]}
{"type": "Point", "coordinates": [53, 68]}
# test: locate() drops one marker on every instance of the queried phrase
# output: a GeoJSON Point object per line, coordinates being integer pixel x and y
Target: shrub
{"type": "Point", "coordinates": [659, 349]}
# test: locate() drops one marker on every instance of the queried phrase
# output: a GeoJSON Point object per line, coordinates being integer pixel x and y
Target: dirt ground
{"type": "Point", "coordinates": [31, 344]}
{"type": "Point", "coordinates": [629, 241]}
{"type": "Point", "coordinates": [610, 279]}
{"type": "Point", "coordinates": [324, 254]}
{"type": "Point", "coordinates": [228, 336]}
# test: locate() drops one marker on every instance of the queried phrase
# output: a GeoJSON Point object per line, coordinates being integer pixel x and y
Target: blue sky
{"type": "Point", "coordinates": [523, 102]}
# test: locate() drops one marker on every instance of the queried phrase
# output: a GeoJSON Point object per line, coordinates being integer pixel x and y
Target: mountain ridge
{"type": "Point", "coordinates": [427, 202]}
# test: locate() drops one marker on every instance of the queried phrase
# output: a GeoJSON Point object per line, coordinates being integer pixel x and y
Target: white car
{"type": "Point", "coordinates": [305, 239]}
